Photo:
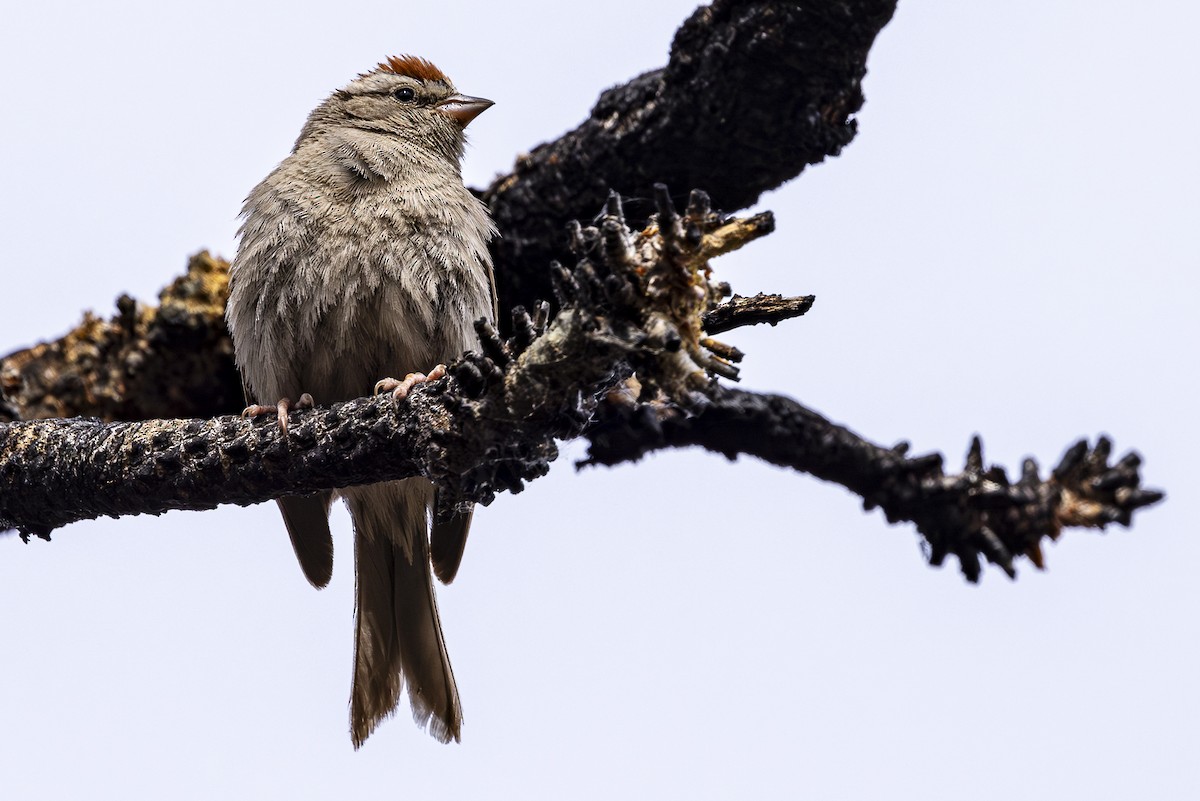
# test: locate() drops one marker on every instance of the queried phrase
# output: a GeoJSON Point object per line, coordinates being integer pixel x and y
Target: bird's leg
{"type": "Point", "coordinates": [281, 409]}
{"type": "Point", "coordinates": [400, 389]}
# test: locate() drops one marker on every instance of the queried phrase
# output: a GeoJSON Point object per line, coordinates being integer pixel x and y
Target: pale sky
{"type": "Point", "coordinates": [1010, 247]}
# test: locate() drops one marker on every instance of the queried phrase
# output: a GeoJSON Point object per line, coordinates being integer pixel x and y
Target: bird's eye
{"type": "Point", "coordinates": [406, 94]}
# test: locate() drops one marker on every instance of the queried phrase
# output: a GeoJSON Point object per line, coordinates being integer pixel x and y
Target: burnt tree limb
{"type": "Point", "coordinates": [146, 361]}
{"type": "Point", "coordinates": [633, 302]}
{"type": "Point", "coordinates": [762, 308]}
{"type": "Point", "coordinates": [625, 361]}
{"type": "Point", "coordinates": [977, 514]}
{"type": "Point", "coordinates": [753, 92]}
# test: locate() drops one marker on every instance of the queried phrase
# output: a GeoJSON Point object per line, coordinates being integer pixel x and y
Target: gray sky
{"type": "Point", "coordinates": [1009, 247]}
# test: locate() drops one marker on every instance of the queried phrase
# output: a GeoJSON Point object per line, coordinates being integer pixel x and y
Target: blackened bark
{"type": "Point", "coordinates": [761, 308]}
{"type": "Point", "coordinates": [754, 91]}
{"type": "Point", "coordinates": [626, 362]}
{"type": "Point", "coordinates": [980, 513]}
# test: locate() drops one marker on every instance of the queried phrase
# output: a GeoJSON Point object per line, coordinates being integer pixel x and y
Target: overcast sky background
{"type": "Point", "coordinates": [1010, 247]}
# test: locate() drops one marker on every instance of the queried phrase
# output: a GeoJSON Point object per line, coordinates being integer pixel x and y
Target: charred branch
{"type": "Point", "coordinates": [626, 361]}
{"type": "Point", "coordinates": [738, 312]}
{"type": "Point", "coordinates": [632, 301]}
{"type": "Point", "coordinates": [753, 92]}
{"type": "Point", "coordinates": [980, 513]}
{"type": "Point", "coordinates": [145, 362]}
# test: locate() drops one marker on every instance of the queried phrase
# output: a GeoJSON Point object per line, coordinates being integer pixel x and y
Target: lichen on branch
{"type": "Point", "coordinates": [170, 360]}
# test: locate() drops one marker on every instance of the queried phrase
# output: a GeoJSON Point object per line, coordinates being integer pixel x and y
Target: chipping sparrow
{"type": "Point", "coordinates": [362, 255]}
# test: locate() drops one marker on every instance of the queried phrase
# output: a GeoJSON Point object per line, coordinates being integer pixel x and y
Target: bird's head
{"type": "Point", "coordinates": [405, 97]}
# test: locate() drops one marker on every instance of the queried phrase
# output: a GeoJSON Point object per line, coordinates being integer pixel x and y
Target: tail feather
{"type": "Point", "coordinates": [307, 521]}
{"type": "Point", "coordinates": [398, 635]}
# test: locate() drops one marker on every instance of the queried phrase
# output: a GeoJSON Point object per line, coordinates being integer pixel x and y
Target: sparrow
{"type": "Point", "coordinates": [363, 256]}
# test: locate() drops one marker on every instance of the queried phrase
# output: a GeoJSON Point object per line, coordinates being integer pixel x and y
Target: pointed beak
{"type": "Point", "coordinates": [463, 108]}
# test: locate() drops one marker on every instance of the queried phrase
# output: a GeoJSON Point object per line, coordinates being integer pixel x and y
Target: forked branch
{"type": "Point", "coordinates": [626, 361]}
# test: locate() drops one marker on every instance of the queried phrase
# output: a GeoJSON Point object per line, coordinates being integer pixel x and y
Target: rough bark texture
{"type": "Point", "coordinates": [753, 92]}
{"type": "Point", "coordinates": [170, 360]}
{"type": "Point", "coordinates": [977, 514]}
{"type": "Point", "coordinates": [761, 308]}
{"type": "Point", "coordinates": [626, 360]}
{"type": "Point", "coordinates": [488, 427]}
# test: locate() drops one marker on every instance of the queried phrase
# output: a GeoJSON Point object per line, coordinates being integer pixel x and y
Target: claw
{"type": "Point", "coordinates": [280, 410]}
{"type": "Point", "coordinates": [400, 389]}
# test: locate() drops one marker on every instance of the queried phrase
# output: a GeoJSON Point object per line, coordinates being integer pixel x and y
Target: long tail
{"type": "Point", "coordinates": [398, 635]}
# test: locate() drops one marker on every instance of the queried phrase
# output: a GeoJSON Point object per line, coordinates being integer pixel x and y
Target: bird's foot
{"type": "Point", "coordinates": [280, 409]}
{"type": "Point", "coordinates": [400, 389]}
